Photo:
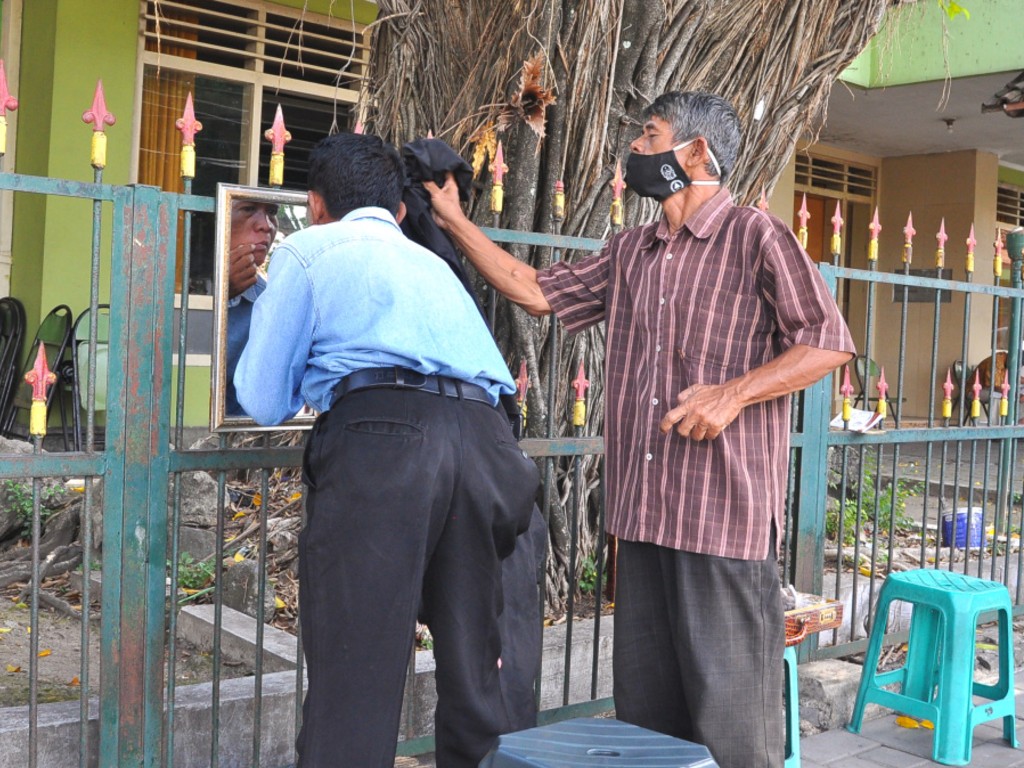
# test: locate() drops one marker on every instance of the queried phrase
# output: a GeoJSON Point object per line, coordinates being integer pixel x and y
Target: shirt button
{"type": "Point", "coordinates": [649, 456]}
{"type": "Point", "coordinates": [668, 255]}
{"type": "Point", "coordinates": [654, 401]}
{"type": "Point", "coordinates": [658, 348]}
{"type": "Point", "coordinates": [662, 301]}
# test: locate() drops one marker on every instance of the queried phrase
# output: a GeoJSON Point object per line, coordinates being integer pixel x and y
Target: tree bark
{"type": "Point", "coordinates": [453, 67]}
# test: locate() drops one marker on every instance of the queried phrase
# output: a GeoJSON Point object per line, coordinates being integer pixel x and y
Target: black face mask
{"type": "Point", "coordinates": [660, 176]}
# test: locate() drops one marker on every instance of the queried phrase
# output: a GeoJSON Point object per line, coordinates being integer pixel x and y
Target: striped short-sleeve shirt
{"type": "Point", "coordinates": [726, 293]}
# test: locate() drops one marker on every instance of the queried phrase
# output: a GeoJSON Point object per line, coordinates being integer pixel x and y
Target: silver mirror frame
{"type": "Point", "coordinates": [227, 194]}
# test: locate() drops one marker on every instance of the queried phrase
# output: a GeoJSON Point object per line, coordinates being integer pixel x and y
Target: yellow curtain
{"type": "Point", "coordinates": [164, 92]}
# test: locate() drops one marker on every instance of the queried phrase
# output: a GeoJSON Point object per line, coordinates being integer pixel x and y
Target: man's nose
{"type": "Point", "coordinates": [262, 220]}
{"type": "Point", "coordinates": [634, 146]}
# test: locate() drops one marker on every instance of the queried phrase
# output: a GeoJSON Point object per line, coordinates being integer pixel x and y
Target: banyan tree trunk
{"type": "Point", "coordinates": [562, 85]}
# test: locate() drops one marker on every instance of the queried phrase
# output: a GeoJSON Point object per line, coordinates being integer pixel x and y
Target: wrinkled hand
{"type": "Point", "coordinates": [445, 201]}
{"type": "Point", "coordinates": [703, 411]}
{"type": "Point", "coordinates": [241, 269]}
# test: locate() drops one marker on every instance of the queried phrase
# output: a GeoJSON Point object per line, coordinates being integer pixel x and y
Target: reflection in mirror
{"type": "Point", "coordinates": [250, 223]}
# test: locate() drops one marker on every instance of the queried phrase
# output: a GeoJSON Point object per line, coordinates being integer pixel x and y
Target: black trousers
{"type": "Point", "coordinates": [415, 499]}
{"type": "Point", "coordinates": [698, 651]}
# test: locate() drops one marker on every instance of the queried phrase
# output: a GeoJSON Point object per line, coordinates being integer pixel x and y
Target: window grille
{"type": "Point", "coordinates": [284, 43]}
{"type": "Point", "coordinates": [1009, 206]}
{"type": "Point", "coordinates": [836, 178]}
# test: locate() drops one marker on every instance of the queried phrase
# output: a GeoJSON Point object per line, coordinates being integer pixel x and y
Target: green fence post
{"type": "Point", "coordinates": [135, 508]}
{"type": "Point", "coordinates": [812, 487]}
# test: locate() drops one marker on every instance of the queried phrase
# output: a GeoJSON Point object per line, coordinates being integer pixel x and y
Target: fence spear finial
{"type": "Point", "coordinates": [498, 171]}
{"type": "Point", "coordinates": [908, 239]}
{"type": "Point", "coordinates": [847, 392]}
{"type": "Point", "coordinates": [278, 136]}
{"type": "Point", "coordinates": [947, 395]}
{"type": "Point", "coordinates": [617, 212]}
{"type": "Point", "coordinates": [874, 227]}
{"type": "Point", "coordinates": [189, 127]}
{"type": "Point", "coordinates": [522, 383]}
{"type": "Point", "coordinates": [803, 215]}
{"type": "Point", "coordinates": [41, 378]}
{"type": "Point", "coordinates": [1004, 402]}
{"type": "Point", "coordinates": [941, 237]}
{"type": "Point", "coordinates": [997, 260]}
{"type": "Point", "coordinates": [558, 202]}
{"type": "Point", "coordinates": [99, 117]}
{"type": "Point", "coordinates": [7, 102]}
{"type": "Point", "coordinates": [579, 410]}
{"type": "Point", "coordinates": [976, 402]}
{"type": "Point", "coordinates": [522, 387]}
{"type": "Point", "coordinates": [837, 231]}
{"type": "Point", "coordinates": [971, 242]}
{"type": "Point", "coordinates": [883, 387]}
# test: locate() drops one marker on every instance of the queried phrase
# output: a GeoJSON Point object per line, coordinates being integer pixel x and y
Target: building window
{"type": "Point", "coordinates": [240, 59]}
{"type": "Point", "coordinates": [1009, 206]}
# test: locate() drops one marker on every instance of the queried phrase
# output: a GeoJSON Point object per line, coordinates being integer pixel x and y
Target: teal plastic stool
{"type": "Point", "coordinates": [792, 710]}
{"type": "Point", "coordinates": [937, 681]}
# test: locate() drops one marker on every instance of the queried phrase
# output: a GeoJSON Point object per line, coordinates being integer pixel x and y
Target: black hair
{"type": "Point", "coordinates": [351, 170]}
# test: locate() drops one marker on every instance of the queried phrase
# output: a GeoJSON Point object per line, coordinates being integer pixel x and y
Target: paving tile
{"type": "Point", "coordinates": [887, 757]}
{"type": "Point", "coordinates": [995, 755]}
{"type": "Point", "coordinates": [831, 746]}
{"type": "Point", "coordinates": [915, 741]}
{"type": "Point", "coordinates": [991, 731]}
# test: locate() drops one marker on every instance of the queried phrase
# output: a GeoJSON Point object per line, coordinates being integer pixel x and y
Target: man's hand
{"type": "Point", "coordinates": [703, 411]}
{"type": "Point", "coordinates": [241, 269]}
{"type": "Point", "coordinates": [445, 201]}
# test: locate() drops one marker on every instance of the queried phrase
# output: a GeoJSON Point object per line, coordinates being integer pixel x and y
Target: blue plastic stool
{"type": "Point", "coordinates": [937, 680]}
{"type": "Point", "coordinates": [588, 742]}
{"type": "Point", "coordinates": [792, 709]}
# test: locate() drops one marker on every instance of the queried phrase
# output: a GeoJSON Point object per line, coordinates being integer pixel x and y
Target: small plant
{"type": "Point", "coordinates": [17, 496]}
{"type": "Point", "coordinates": [883, 509]}
{"type": "Point", "coordinates": [194, 574]}
{"type": "Point", "coordinates": [588, 576]}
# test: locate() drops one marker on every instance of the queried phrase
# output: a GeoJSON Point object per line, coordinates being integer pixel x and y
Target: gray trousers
{"type": "Point", "coordinates": [698, 651]}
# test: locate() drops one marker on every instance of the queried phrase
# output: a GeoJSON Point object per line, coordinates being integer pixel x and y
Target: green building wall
{"type": "Point", "coordinates": [66, 47]}
{"type": "Point", "coordinates": [909, 48]}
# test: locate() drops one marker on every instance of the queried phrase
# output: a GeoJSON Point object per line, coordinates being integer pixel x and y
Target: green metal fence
{"type": "Point", "coordinates": [144, 715]}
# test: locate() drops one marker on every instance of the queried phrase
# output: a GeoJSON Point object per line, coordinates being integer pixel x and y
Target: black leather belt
{"type": "Point", "coordinates": [396, 377]}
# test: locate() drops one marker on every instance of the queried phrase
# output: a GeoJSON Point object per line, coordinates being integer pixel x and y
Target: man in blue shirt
{"type": "Point", "coordinates": [417, 487]}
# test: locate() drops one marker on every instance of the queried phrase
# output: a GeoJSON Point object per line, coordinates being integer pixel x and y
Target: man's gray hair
{"type": "Point", "coordinates": [694, 113]}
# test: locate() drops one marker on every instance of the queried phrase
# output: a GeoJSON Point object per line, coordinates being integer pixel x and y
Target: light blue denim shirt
{"type": "Point", "coordinates": [357, 294]}
{"type": "Point", "coordinates": [239, 320]}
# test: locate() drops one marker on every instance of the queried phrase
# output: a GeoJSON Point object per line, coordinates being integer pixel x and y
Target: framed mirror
{"type": "Point", "coordinates": [251, 221]}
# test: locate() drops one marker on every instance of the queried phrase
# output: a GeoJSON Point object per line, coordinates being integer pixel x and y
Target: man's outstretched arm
{"type": "Point", "coordinates": [512, 278]}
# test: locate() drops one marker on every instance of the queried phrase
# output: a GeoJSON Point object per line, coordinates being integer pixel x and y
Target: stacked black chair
{"type": "Point", "coordinates": [55, 333]}
{"type": "Point", "coordinates": [12, 338]}
{"type": "Point", "coordinates": [75, 371]}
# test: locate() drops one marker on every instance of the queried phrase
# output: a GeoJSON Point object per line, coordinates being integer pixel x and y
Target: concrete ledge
{"type": "Point", "coordinates": [238, 637]}
{"type": "Point", "coordinates": [58, 732]}
{"type": "Point", "coordinates": [58, 727]}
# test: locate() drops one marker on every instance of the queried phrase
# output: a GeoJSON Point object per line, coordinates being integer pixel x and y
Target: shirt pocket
{"type": "Point", "coordinates": [727, 335]}
{"type": "Point", "coordinates": [694, 370]}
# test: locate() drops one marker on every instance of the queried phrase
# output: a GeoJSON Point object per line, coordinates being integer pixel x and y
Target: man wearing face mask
{"type": "Point", "coordinates": [714, 315]}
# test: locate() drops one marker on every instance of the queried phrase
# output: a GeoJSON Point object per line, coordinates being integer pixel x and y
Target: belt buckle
{"type": "Point", "coordinates": [408, 379]}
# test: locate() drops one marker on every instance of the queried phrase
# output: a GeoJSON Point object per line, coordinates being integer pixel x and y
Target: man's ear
{"type": "Point", "coordinates": [698, 158]}
{"type": "Point", "coordinates": [317, 208]}
{"type": "Point", "coordinates": [400, 213]}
